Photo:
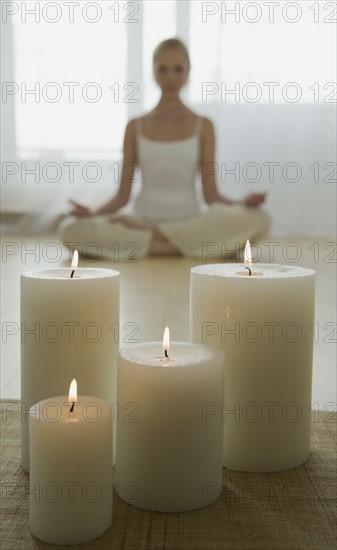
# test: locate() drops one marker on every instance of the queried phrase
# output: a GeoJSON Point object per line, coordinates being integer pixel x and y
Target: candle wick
{"type": "Point", "coordinates": [72, 273]}
{"type": "Point", "coordinates": [250, 271]}
{"type": "Point", "coordinates": [166, 354]}
{"type": "Point", "coordinates": [72, 407]}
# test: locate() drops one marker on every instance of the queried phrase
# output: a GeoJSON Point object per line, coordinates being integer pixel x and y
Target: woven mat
{"type": "Point", "coordinates": [290, 510]}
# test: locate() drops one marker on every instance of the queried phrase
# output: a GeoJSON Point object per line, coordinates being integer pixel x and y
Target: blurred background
{"type": "Point", "coordinates": [74, 73]}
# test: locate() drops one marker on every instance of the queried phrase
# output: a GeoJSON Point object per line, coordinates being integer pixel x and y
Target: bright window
{"type": "Point", "coordinates": [82, 69]}
{"type": "Point", "coordinates": [71, 66]}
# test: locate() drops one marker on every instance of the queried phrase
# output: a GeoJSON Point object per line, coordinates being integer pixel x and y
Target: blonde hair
{"type": "Point", "coordinates": [172, 43]}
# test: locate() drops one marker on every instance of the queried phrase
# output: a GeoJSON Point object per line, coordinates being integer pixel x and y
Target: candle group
{"type": "Point", "coordinates": [264, 324]}
{"type": "Point", "coordinates": [238, 394]}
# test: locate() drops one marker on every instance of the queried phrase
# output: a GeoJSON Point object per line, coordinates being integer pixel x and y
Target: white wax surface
{"type": "Point", "coordinates": [69, 329]}
{"type": "Point", "coordinates": [64, 273]}
{"type": "Point", "coordinates": [266, 271]}
{"type": "Point", "coordinates": [264, 324]}
{"type": "Point", "coordinates": [180, 355]}
{"type": "Point", "coordinates": [71, 471]}
{"type": "Point", "coordinates": [169, 451]}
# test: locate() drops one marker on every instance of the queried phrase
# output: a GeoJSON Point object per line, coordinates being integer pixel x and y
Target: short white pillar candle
{"type": "Point", "coordinates": [169, 450]}
{"type": "Point", "coordinates": [71, 469]}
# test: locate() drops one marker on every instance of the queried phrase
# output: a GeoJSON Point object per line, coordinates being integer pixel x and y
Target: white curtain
{"type": "Point", "coordinates": [264, 72]}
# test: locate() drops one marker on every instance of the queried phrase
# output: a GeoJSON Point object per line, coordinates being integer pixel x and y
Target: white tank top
{"type": "Point", "coordinates": [168, 170]}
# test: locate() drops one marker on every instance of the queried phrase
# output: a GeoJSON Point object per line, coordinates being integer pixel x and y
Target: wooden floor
{"type": "Point", "coordinates": [155, 293]}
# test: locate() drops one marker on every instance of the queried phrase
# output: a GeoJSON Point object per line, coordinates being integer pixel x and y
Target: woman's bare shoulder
{"type": "Point", "coordinates": [207, 123]}
{"type": "Point", "coordinates": [131, 127]}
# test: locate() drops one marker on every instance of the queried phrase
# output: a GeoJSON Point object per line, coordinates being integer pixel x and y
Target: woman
{"type": "Point", "coordinates": [170, 144]}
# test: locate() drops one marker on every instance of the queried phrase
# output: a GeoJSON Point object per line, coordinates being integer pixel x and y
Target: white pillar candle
{"type": "Point", "coordinates": [70, 471]}
{"type": "Point", "coordinates": [264, 324]}
{"type": "Point", "coordinates": [169, 450]}
{"type": "Point", "coordinates": [69, 329]}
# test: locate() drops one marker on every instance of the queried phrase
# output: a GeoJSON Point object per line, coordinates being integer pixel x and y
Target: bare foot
{"type": "Point", "coordinates": [160, 245]}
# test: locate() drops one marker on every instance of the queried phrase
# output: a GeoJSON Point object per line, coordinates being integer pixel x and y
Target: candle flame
{"type": "Point", "coordinates": [166, 339]}
{"type": "Point", "coordinates": [74, 261]}
{"type": "Point", "coordinates": [248, 254]}
{"type": "Point", "coordinates": [73, 392]}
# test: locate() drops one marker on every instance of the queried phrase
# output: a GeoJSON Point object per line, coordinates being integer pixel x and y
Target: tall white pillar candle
{"type": "Point", "coordinates": [69, 329]}
{"type": "Point", "coordinates": [264, 324]}
{"type": "Point", "coordinates": [169, 448]}
{"type": "Point", "coordinates": [71, 469]}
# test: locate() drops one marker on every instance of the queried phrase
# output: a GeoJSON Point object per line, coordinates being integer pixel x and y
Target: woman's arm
{"type": "Point", "coordinates": [208, 165]}
{"type": "Point", "coordinates": [123, 194]}
{"type": "Point", "coordinates": [209, 169]}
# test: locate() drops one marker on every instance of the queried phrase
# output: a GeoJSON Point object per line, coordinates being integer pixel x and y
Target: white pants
{"type": "Point", "coordinates": [221, 230]}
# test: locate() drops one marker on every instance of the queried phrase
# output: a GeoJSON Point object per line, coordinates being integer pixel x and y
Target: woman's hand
{"type": "Point", "coordinates": [255, 199]}
{"type": "Point", "coordinates": [80, 210]}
